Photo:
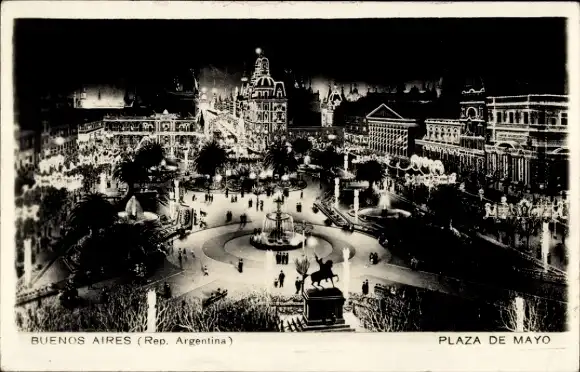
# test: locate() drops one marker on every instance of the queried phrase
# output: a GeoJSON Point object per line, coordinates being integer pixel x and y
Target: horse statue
{"type": "Point", "coordinates": [324, 273]}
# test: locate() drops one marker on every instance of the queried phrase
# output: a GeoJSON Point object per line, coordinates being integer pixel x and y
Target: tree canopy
{"type": "Point", "coordinates": [371, 171]}
{"type": "Point", "coordinates": [210, 159]}
{"type": "Point", "coordinates": [281, 158]}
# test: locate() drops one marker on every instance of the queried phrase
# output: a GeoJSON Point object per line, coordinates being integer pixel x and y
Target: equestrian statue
{"type": "Point", "coordinates": [325, 273]}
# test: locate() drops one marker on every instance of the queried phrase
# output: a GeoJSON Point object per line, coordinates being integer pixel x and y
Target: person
{"type": "Point", "coordinates": [241, 265]}
{"type": "Point", "coordinates": [166, 290]}
{"type": "Point", "coordinates": [250, 201]}
{"type": "Point", "coordinates": [227, 193]}
{"type": "Point", "coordinates": [281, 277]}
{"type": "Point", "coordinates": [365, 287]}
{"type": "Point", "coordinates": [278, 258]}
{"type": "Point", "coordinates": [301, 194]}
{"type": "Point", "coordinates": [297, 283]}
{"type": "Point", "coordinates": [179, 259]}
{"type": "Point", "coordinates": [205, 271]}
{"type": "Point", "coordinates": [286, 258]}
{"type": "Point", "coordinates": [375, 258]}
{"type": "Point", "coordinates": [371, 258]}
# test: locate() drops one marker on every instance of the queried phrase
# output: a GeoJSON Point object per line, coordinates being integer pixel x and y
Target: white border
{"type": "Point", "coordinates": [269, 352]}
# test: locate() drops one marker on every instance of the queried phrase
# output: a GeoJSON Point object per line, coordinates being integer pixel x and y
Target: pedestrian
{"type": "Point", "coordinates": [286, 258]}
{"type": "Point", "coordinates": [365, 288]}
{"type": "Point", "coordinates": [250, 201]}
{"type": "Point", "coordinates": [298, 284]}
{"type": "Point", "coordinates": [281, 277]}
{"type": "Point", "coordinates": [301, 194]}
{"type": "Point", "coordinates": [205, 271]}
{"type": "Point", "coordinates": [276, 283]}
{"type": "Point", "coordinates": [278, 258]}
{"type": "Point", "coordinates": [371, 258]}
{"type": "Point", "coordinates": [227, 193]}
{"type": "Point", "coordinates": [241, 265]}
{"type": "Point", "coordinates": [179, 259]}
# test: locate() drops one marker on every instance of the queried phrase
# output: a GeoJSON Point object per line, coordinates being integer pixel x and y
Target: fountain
{"type": "Point", "coordinates": [134, 212]}
{"type": "Point", "coordinates": [382, 211]}
{"type": "Point", "coordinates": [277, 231]}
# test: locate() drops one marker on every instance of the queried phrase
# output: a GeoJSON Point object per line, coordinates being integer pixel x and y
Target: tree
{"type": "Point", "coordinates": [22, 178]}
{"type": "Point", "coordinates": [371, 171]}
{"type": "Point", "coordinates": [92, 214]}
{"type": "Point", "coordinates": [130, 173]}
{"type": "Point", "coordinates": [302, 266]}
{"type": "Point", "coordinates": [329, 159]}
{"type": "Point", "coordinates": [539, 315]}
{"type": "Point", "coordinates": [301, 146]}
{"type": "Point", "coordinates": [281, 158]}
{"type": "Point", "coordinates": [210, 158]}
{"type": "Point", "coordinates": [445, 203]}
{"type": "Point", "coordinates": [398, 312]}
{"type": "Point", "coordinates": [150, 155]}
{"type": "Point", "coordinates": [51, 204]}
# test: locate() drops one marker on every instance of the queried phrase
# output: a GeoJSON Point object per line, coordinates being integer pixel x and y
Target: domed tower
{"type": "Point", "coordinates": [332, 101]}
{"type": "Point", "coordinates": [473, 110]}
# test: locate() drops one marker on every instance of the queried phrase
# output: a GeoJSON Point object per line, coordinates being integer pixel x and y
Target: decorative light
{"type": "Point", "coordinates": [258, 51]}
{"type": "Point", "coordinates": [59, 141]}
{"type": "Point", "coordinates": [285, 178]}
{"type": "Point", "coordinates": [218, 178]}
{"type": "Point", "coordinates": [252, 176]}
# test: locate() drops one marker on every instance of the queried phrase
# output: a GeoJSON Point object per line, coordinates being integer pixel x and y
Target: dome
{"type": "Point", "coordinates": [134, 209]}
{"type": "Point", "coordinates": [334, 96]}
{"type": "Point", "coordinates": [265, 82]}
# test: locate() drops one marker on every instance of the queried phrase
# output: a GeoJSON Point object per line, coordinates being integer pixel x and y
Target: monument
{"type": "Point", "coordinates": [323, 307]}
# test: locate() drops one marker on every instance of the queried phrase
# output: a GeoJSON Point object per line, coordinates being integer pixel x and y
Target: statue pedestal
{"type": "Point", "coordinates": [323, 310]}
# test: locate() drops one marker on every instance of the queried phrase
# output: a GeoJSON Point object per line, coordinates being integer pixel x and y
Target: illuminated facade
{"type": "Point", "coordinates": [459, 143]}
{"type": "Point", "coordinates": [390, 134]}
{"type": "Point", "coordinates": [263, 103]}
{"type": "Point", "coordinates": [329, 104]}
{"type": "Point", "coordinates": [173, 133]}
{"type": "Point", "coordinates": [528, 141]}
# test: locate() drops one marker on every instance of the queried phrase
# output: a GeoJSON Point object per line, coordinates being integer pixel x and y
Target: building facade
{"type": "Point", "coordinates": [528, 141]}
{"type": "Point", "coordinates": [26, 156]}
{"type": "Point", "coordinates": [459, 143]}
{"type": "Point", "coordinates": [390, 134]}
{"type": "Point", "coordinates": [329, 104]}
{"type": "Point", "coordinates": [175, 134]}
{"type": "Point", "coordinates": [263, 102]}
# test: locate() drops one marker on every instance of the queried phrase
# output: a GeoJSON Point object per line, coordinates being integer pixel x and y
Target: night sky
{"type": "Point", "coordinates": [510, 55]}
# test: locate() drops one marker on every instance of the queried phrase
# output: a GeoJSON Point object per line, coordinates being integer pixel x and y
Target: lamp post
{"type": "Point", "coordinates": [356, 192]}
{"type": "Point", "coordinates": [27, 262]}
{"type": "Point", "coordinates": [151, 311]}
{"type": "Point", "coordinates": [336, 191]}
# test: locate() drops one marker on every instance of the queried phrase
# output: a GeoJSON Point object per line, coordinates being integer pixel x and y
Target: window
{"type": "Point", "coordinates": [511, 117]}
{"type": "Point", "coordinates": [564, 118]}
{"type": "Point", "coordinates": [525, 118]}
{"type": "Point", "coordinates": [499, 117]}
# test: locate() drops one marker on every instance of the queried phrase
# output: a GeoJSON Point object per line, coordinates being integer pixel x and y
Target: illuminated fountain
{"type": "Point", "coordinates": [382, 211]}
{"type": "Point", "coordinates": [277, 231]}
{"type": "Point", "coordinates": [134, 213]}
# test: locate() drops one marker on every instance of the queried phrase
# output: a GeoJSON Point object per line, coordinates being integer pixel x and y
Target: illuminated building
{"type": "Point", "coordinates": [329, 104]}
{"type": "Point", "coordinates": [264, 104]}
{"type": "Point", "coordinates": [527, 145]}
{"type": "Point", "coordinates": [25, 153]}
{"type": "Point", "coordinates": [353, 94]}
{"type": "Point", "coordinates": [390, 134]}
{"type": "Point", "coordinates": [172, 132]}
{"type": "Point", "coordinates": [459, 143]}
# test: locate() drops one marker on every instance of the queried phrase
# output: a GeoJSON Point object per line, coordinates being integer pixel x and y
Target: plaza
{"type": "Point", "coordinates": [255, 201]}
